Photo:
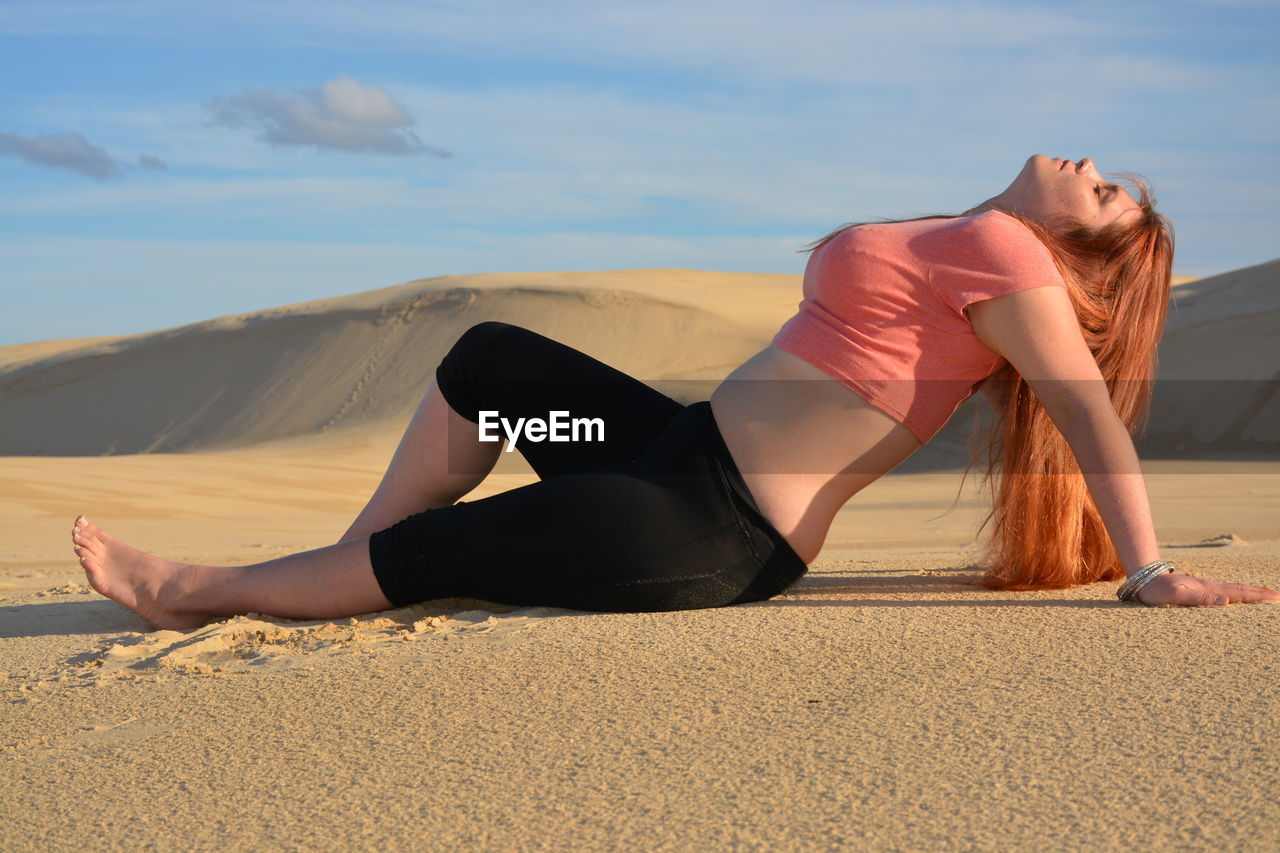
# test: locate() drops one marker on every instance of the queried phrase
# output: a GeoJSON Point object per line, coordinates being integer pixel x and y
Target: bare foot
{"type": "Point", "coordinates": [148, 585]}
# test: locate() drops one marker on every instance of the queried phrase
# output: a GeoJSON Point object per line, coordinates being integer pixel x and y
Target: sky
{"type": "Point", "coordinates": [164, 163]}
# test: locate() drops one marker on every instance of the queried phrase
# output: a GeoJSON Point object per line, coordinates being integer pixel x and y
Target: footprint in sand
{"type": "Point", "coordinates": [1220, 541]}
{"type": "Point", "coordinates": [56, 744]}
{"type": "Point", "coordinates": [258, 643]}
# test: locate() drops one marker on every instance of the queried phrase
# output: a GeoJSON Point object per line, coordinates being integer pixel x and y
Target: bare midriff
{"type": "Point", "coordinates": [804, 443]}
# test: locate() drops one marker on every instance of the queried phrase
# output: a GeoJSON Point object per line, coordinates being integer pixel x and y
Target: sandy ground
{"type": "Point", "coordinates": [880, 704]}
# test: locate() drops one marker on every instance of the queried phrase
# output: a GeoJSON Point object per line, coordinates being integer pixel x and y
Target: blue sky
{"type": "Point", "coordinates": [163, 163]}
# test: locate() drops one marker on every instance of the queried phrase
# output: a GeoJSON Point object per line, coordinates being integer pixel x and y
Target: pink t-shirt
{"type": "Point", "coordinates": [883, 309]}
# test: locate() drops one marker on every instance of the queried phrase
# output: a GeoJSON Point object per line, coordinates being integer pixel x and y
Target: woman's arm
{"type": "Point", "coordinates": [1037, 332]}
{"type": "Point", "coordinates": [1109, 462]}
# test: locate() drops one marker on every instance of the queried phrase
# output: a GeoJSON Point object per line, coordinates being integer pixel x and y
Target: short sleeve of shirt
{"type": "Point", "coordinates": [994, 255]}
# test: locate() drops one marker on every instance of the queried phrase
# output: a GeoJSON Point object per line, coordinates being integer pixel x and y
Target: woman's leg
{"type": "Point", "coordinates": [660, 532]}
{"type": "Point", "coordinates": [439, 460]}
{"type": "Point", "coordinates": [322, 584]}
{"type": "Point", "coordinates": [520, 374]}
{"type": "Point", "coordinates": [604, 539]}
{"type": "Point", "coordinates": [656, 533]}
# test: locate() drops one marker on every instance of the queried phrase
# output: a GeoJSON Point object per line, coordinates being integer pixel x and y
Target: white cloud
{"type": "Point", "coordinates": [342, 114]}
{"type": "Point", "coordinates": [71, 151]}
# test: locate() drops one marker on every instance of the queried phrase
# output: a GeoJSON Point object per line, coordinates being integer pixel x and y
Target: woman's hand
{"type": "Point", "coordinates": [1172, 588]}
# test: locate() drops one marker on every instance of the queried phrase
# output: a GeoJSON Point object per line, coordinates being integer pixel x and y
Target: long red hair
{"type": "Point", "coordinates": [1047, 532]}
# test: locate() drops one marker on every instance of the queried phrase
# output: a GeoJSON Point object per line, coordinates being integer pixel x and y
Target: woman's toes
{"type": "Point", "coordinates": [90, 540]}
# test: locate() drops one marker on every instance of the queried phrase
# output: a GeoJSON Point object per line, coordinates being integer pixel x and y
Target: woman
{"type": "Point", "coordinates": [1050, 297]}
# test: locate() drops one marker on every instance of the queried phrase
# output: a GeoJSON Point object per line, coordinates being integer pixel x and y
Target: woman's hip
{"type": "Point", "coordinates": [692, 442]}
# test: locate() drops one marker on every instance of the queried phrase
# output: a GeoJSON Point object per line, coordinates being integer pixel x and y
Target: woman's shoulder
{"type": "Point", "coordinates": [991, 242]}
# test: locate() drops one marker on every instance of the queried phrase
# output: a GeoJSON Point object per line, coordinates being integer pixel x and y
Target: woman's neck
{"type": "Point", "coordinates": [989, 204]}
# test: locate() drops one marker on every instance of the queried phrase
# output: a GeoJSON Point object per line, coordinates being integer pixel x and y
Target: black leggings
{"type": "Point", "coordinates": [654, 517]}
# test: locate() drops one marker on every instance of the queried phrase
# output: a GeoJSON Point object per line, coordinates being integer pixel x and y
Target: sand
{"type": "Point", "coordinates": [879, 704]}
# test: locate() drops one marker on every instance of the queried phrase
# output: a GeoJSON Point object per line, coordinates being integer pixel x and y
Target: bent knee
{"type": "Point", "coordinates": [482, 333]}
{"type": "Point", "coordinates": [487, 340]}
{"type": "Point", "coordinates": [485, 350]}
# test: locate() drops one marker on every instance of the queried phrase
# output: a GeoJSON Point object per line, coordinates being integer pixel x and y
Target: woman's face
{"type": "Point", "coordinates": [1049, 187]}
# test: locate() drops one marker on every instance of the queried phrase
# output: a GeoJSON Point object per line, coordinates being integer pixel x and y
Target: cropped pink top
{"type": "Point", "coordinates": [883, 309]}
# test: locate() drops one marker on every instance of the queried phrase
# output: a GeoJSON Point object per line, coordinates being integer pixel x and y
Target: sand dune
{"type": "Point", "coordinates": [1219, 367]}
{"type": "Point", "coordinates": [363, 359]}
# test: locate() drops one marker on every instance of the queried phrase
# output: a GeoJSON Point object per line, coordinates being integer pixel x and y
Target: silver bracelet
{"type": "Point", "coordinates": [1129, 589]}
